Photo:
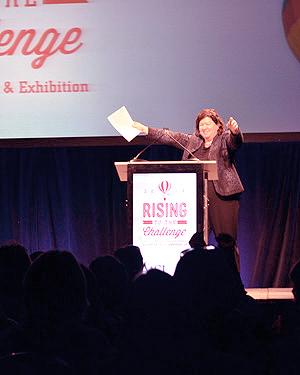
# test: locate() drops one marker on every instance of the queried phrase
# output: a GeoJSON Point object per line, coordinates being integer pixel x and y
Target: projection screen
{"type": "Point", "coordinates": [68, 64]}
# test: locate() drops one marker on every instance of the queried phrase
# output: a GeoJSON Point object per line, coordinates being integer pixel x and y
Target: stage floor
{"type": "Point", "coordinates": [270, 293]}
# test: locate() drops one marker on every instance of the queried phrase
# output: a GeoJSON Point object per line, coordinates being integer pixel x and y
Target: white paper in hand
{"type": "Point", "coordinates": [122, 122]}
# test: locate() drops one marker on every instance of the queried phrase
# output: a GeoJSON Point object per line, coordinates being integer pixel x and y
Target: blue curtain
{"type": "Point", "coordinates": [71, 198]}
{"type": "Point", "coordinates": [269, 231]}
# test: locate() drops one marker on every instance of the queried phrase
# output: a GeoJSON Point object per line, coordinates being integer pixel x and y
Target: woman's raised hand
{"type": "Point", "coordinates": [142, 128]}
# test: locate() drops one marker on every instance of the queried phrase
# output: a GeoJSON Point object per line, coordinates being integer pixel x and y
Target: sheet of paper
{"type": "Point", "coordinates": [122, 122]}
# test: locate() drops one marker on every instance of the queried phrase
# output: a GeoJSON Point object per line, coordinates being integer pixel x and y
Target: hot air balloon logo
{"type": "Point", "coordinates": [164, 187]}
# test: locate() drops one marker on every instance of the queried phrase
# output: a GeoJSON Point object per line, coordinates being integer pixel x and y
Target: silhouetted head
{"type": "Point", "coordinates": [14, 262]}
{"type": "Point", "coordinates": [55, 287]}
{"type": "Point", "coordinates": [92, 286]}
{"type": "Point", "coordinates": [197, 240]}
{"type": "Point", "coordinates": [225, 241]}
{"type": "Point", "coordinates": [207, 281]}
{"type": "Point", "coordinates": [155, 303]}
{"type": "Point", "coordinates": [132, 259]}
{"type": "Point", "coordinates": [113, 281]}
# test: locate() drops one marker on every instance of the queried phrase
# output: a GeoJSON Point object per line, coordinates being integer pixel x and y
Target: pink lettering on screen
{"type": "Point", "coordinates": [43, 46]}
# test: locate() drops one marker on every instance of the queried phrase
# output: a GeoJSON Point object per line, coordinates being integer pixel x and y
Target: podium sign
{"type": "Point", "coordinates": [167, 204]}
{"type": "Point", "coordinates": [164, 216]}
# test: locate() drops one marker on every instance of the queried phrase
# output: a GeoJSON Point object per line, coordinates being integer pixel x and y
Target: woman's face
{"type": "Point", "coordinates": [208, 129]}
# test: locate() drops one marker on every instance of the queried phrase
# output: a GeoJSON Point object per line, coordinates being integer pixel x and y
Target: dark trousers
{"type": "Point", "coordinates": [223, 216]}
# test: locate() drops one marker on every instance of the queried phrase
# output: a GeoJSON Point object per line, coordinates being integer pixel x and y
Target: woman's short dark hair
{"type": "Point", "coordinates": [214, 116]}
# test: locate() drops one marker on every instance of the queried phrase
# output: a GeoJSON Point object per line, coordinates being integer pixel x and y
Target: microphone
{"type": "Point", "coordinates": [135, 159]}
{"type": "Point", "coordinates": [193, 157]}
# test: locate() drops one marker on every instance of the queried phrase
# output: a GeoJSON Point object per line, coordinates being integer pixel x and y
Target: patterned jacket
{"type": "Point", "coordinates": [222, 150]}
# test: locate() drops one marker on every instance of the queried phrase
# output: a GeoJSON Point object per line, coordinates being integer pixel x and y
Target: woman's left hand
{"type": "Point", "coordinates": [232, 125]}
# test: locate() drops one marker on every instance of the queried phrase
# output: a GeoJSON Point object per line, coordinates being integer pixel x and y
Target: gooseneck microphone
{"type": "Point", "coordinates": [166, 131]}
{"type": "Point", "coordinates": [193, 157]}
{"type": "Point", "coordinates": [136, 158]}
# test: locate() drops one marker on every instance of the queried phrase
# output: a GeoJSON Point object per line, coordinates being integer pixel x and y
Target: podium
{"type": "Point", "coordinates": [167, 203]}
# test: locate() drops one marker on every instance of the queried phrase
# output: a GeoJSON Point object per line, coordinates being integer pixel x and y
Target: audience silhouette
{"type": "Point", "coordinates": [222, 322]}
{"type": "Point", "coordinates": [154, 341]}
{"type": "Point", "coordinates": [285, 355]}
{"type": "Point", "coordinates": [14, 262]}
{"type": "Point", "coordinates": [61, 317]}
{"type": "Point", "coordinates": [130, 256]}
{"type": "Point", "coordinates": [107, 309]}
{"type": "Point", "coordinates": [35, 254]}
{"type": "Point", "coordinates": [113, 282]}
{"type": "Point", "coordinates": [55, 300]}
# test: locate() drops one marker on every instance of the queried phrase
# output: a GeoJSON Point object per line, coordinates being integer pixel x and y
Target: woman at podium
{"type": "Point", "coordinates": [211, 141]}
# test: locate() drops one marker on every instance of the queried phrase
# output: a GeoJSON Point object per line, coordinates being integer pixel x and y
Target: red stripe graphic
{"type": "Point", "coordinates": [64, 1]}
{"type": "Point", "coordinates": [148, 222]}
{"type": "Point", "coordinates": [181, 222]}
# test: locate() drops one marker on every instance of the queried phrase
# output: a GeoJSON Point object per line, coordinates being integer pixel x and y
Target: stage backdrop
{"type": "Point", "coordinates": [71, 198]}
{"type": "Point", "coordinates": [67, 64]}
